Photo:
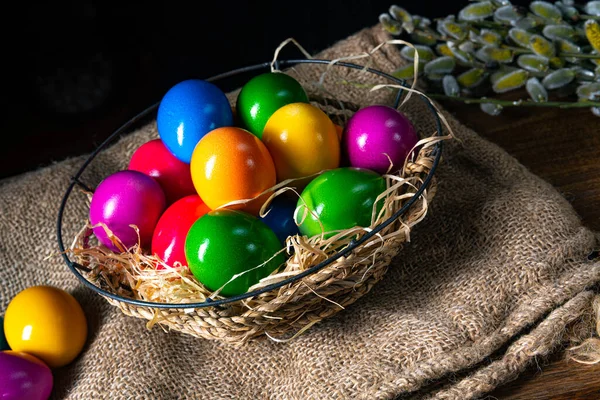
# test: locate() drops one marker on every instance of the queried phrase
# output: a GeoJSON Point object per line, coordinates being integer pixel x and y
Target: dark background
{"type": "Point", "coordinates": [75, 72]}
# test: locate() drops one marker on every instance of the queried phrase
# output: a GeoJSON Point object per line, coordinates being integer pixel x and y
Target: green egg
{"type": "Point", "coordinates": [339, 199]}
{"type": "Point", "coordinates": [264, 94]}
{"type": "Point", "coordinates": [224, 243]}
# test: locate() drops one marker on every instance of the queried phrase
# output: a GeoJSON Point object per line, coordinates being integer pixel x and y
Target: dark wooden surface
{"type": "Point", "coordinates": [563, 147]}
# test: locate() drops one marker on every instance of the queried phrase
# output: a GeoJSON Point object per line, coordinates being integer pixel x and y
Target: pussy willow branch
{"type": "Point", "coordinates": [517, 103]}
{"type": "Point", "coordinates": [595, 18]}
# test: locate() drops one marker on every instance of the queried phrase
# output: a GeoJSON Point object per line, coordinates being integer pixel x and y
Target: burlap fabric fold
{"type": "Point", "coordinates": [490, 280]}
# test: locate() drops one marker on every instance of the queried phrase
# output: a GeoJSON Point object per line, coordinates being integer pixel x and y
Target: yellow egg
{"type": "Point", "coordinates": [302, 140]}
{"type": "Point", "coordinates": [46, 322]}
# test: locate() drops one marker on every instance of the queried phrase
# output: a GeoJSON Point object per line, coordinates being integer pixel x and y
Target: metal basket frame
{"type": "Point", "coordinates": [75, 181]}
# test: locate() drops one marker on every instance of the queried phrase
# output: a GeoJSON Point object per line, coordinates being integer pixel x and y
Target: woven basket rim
{"type": "Point", "coordinates": [79, 270]}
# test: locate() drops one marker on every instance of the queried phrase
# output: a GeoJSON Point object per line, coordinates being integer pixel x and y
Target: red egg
{"type": "Point", "coordinates": [168, 241]}
{"type": "Point", "coordinates": [173, 175]}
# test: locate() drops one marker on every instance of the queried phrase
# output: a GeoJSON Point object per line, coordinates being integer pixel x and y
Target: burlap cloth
{"type": "Point", "coordinates": [490, 280]}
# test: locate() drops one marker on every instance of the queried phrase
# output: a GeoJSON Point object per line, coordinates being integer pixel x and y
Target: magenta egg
{"type": "Point", "coordinates": [126, 198]}
{"type": "Point", "coordinates": [376, 135]}
{"type": "Point", "coordinates": [23, 376]}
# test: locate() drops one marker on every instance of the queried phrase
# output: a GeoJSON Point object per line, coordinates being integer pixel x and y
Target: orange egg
{"type": "Point", "coordinates": [230, 164]}
{"type": "Point", "coordinates": [302, 140]}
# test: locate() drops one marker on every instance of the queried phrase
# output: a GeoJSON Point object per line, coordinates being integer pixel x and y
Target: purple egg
{"type": "Point", "coordinates": [127, 198]}
{"type": "Point", "coordinates": [23, 376]}
{"type": "Point", "coordinates": [374, 131]}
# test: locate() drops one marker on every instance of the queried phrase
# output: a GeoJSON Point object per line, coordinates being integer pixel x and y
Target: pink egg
{"type": "Point", "coordinates": [23, 376]}
{"type": "Point", "coordinates": [126, 198]}
{"type": "Point", "coordinates": [376, 135]}
{"type": "Point", "coordinates": [173, 175]}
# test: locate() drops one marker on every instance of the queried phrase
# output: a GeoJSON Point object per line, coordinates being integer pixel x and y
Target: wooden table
{"type": "Point", "coordinates": [562, 147]}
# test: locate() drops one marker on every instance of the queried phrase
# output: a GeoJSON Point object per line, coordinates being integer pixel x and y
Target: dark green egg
{"type": "Point", "coordinates": [264, 94]}
{"type": "Point", "coordinates": [224, 243]}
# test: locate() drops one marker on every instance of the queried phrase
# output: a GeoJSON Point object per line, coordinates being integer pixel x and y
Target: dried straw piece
{"type": "Point", "coordinates": [588, 351]}
{"type": "Point", "coordinates": [285, 313]}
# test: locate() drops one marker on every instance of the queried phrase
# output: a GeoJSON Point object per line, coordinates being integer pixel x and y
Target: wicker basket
{"type": "Point", "coordinates": [321, 277]}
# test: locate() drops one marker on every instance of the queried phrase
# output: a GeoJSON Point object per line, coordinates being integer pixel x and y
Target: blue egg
{"type": "Point", "coordinates": [280, 217]}
{"type": "Point", "coordinates": [3, 342]}
{"type": "Point", "coordinates": [187, 112]}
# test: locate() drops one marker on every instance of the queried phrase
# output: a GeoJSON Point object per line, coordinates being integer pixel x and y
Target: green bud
{"type": "Point", "coordinates": [401, 15]}
{"type": "Point", "coordinates": [407, 71]}
{"type": "Point", "coordinates": [490, 37]}
{"type": "Point", "coordinates": [507, 14]}
{"type": "Point", "coordinates": [450, 86]}
{"type": "Point", "coordinates": [443, 50]}
{"type": "Point", "coordinates": [533, 63]}
{"type": "Point", "coordinates": [453, 29]}
{"type": "Point", "coordinates": [536, 90]}
{"type": "Point", "coordinates": [592, 8]}
{"type": "Point", "coordinates": [422, 37]}
{"type": "Point", "coordinates": [391, 25]}
{"type": "Point", "coordinates": [554, 32]}
{"type": "Point", "coordinates": [589, 91]}
{"type": "Point", "coordinates": [520, 36]}
{"type": "Point", "coordinates": [558, 78]}
{"type": "Point", "coordinates": [440, 66]}
{"type": "Point", "coordinates": [592, 32]}
{"type": "Point", "coordinates": [489, 53]}
{"type": "Point", "coordinates": [477, 11]}
{"type": "Point", "coordinates": [511, 81]}
{"type": "Point", "coordinates": [425, 53]}
{"type": "Point", "coordinates": [471, 78]}
{"type": "Point", "coordinates": [491, 109]}
{"type": "Point", "coordinates": [545, 10]}
{"type": "Point", "coordinates": [541, 46]}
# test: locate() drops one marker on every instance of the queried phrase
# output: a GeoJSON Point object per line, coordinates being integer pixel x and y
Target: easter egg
{"type": "Point", "coordinates": [122, 199]}
{"type": "Point", "coordinates": [3, 343]}
{"type": "Point", "coordinates": [302, 141]}
{"type": "Point", "coordinates": [280, 217]}
{"type": "Point", "coordinates": [232, 164]}
{"type": "Point", "coordinates": [46, 322]}
{"type": "Point", "coordinates": [339, 130]}
{"type": "Point", "coordinates": [376, 135]}
{"type": "Point", "coordinates": [173, 175]}
{"type": "Point", "coordinates": [187, 112]}
{"type": "Point", "coordinates": [23, 376]}
{"type": "Point", "coordinates": [168, 240]}
{"type": "Point", "coordinates": [264, 94]}
{"type": "Point", "coordinates": [339, 199]}
{"type": "Point", "coordinates": [224, 243]}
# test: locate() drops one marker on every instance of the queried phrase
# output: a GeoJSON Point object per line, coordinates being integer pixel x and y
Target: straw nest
{"type": "Point", "coordinates": [284, 313]}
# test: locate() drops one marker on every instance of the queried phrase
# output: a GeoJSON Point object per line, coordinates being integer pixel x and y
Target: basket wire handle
{"type": "Point", "coordinates": [81, 184]}
{"type": "Point", "coordinates": [275, 62]}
